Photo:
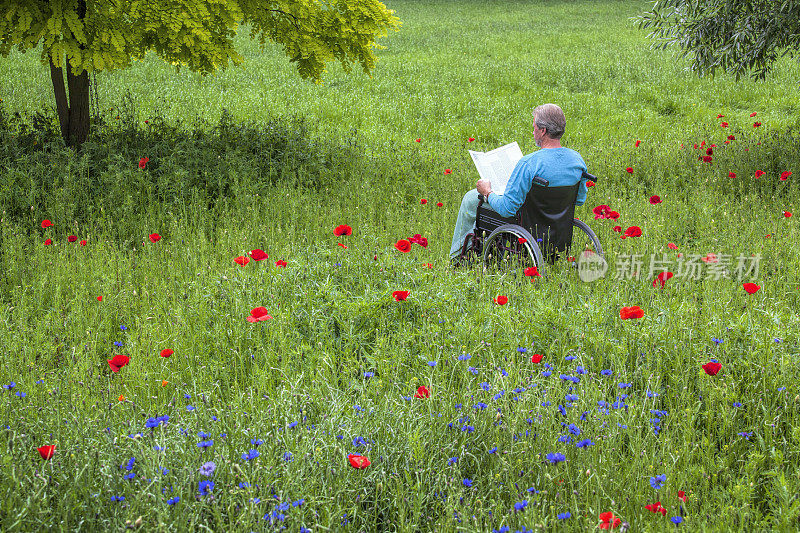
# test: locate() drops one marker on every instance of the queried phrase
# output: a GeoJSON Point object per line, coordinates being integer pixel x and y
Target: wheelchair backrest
{"type": "Point", "coordinates": [547, 213]}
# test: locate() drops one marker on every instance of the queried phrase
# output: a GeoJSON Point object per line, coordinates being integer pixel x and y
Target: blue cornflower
{"type": "Point", "coordinates": [244, 485]}
{"type": "Point", "coordinates": [570, 358]}
{"type": "Point", "coordinates": [123, 328]}
{"type": "Point", "coordinates": [431, 364]}
{"type": "Point", "coordinates": [164, 471]}
{"type": "Point", "coordinates": [555, 458]}
{"type": "Point", "coordinates": [305, 530]}
{"type": "Point", "coordinates": [458, 406]}
{"type": "Point", "coordinates": [173, 501]}
{"type": "Point", "coordinates": [519, 506]}
{"type": "Point", "coordinates": [205, 444]}
{"type": "Point", "coordinates": [676, 520]}
{"type": "Point", "coordinates": [256, 442]}
{"type": "Point", "coordinates": [205, 487]}
{"type": "Point", "coordinates": [452, 460]}
{"type": "Point", "coordinates": [606, 372]}
{"type": "Point", "coordinates": [357, 408]}
{"type": "Point", "coordinates": [187, 396]}
{"type": "Point", "coordinates": [359, 441]}
{"type": "Point", "coordinates": [575, 430]}
{"type": "Point", "coordinates": [130, 475]}
{"type": "Point", "coordinates": [473, 370]}
{"type": "Point", "coordinates": [129, 464]}
{"type": "Point", "coordinates": [464, 357]}
{"type": "Point", "coordinates": [203, 435]}
{"type": "Point", "coordinates": [292, 424]}
{"type": "Point", "coordinates": [20, 394]}
{"type": "Point", "coordinates": [745, 434]}
{"type": "Point", "coordinates": [737, 404]}
{"type": "Point", "coordinates": [564, 516]}
{"type": "Point", "coordinates": [118, 344]}
{"type": "Point", "coordinates": [565, 438]}
{"type": "Point", "coordinates": [584, 443]}
{"type": "Point", "coordinates": [503, 373]}
{"type": "Point", "coordinates": [625, 385]}
{"type": "Point", "coordinates": [250, 455]}
{"type": "Point", "coordinates": [503, 529]}
{"type": "Point", "coordinates": [467, 482]}
{"type": "Point", "coordinates": [522, 350]}
{"type": "Point", "coordinates": [40, 382]}
{"type": "Point", "coordinates": [208, 468]}
{"type": "Point", "coordinates": [562, 410]}
{"type": "Point", "coordinates": [658, 481]}
{"type": "Point", "coordinates": [256, 501]}
{"type": "Point", "coordinates": [580, 370]}
{"type": "Point", "coordinates": [480, 405]}
{"type": "Point", "coordinates": [486, 385]}
{"type": "Point", "coordinates": [282, 506]}
{"type": "Point", "coordinates": [118, 498]}
{"type": "Point", "coordinates": [651, 394]}
{"type": "Point", "coordinates": [287, 456]}
{"type": "Point", "coordinates": [498, 395]}
{"type": "Point", "coordinates": [10, 385]}
{"type": "Point", "coordinates": [546, 403]}
{"type": "Point", "coordinates": [533, 490]}
{"type": "Point", "coordinates": [717, 341]}
{"type": "Point", "coordinates": [369, 374]}
{"type": "Point", "coordinates": [468, 429]}
{"type": "Point", "coordinates": [190, 407]}
{"type": "Point", "coordinates": [546, 373]}
{"type": "Point", "coordinates": [781, 389]}
{"type": "Point", "coordinates": [493, 450]}
{"type": "Point", "coordinates": [299, 502]}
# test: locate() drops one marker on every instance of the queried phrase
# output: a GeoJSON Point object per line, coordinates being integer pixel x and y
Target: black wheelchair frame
{"type": "Point", "coordinates": [542, 230]}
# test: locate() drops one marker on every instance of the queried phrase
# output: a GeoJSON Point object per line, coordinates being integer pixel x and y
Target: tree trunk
{"type": "Point", "coordinates": [73, 109]}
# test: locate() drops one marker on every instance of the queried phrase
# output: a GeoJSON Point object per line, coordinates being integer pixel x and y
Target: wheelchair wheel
{"type": "Point", "coordinates": [585, 240]}
{"type": "Point", "coordinates": [510, 246]}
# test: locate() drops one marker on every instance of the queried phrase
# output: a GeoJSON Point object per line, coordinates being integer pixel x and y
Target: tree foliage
{"type": "Point", "coordinates": [97, 35]}
{"type": "Point", "coordinates": [736, 36]}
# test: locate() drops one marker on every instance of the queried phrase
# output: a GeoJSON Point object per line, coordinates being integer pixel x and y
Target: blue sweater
{"type": "Point", "coordinates": [559, 166]}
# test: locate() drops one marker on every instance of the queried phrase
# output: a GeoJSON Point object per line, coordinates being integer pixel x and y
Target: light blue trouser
{"type": "Point", "coordinates": [465, 223]}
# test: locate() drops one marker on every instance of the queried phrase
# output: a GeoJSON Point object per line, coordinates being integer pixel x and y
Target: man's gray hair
{"type": "Point", "coordinates": [551, 118]}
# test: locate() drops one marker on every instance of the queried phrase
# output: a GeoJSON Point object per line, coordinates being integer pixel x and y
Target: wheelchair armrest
{"type": "Point", "coordinates": [586, 176]}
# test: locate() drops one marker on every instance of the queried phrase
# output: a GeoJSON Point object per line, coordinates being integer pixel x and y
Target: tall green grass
{"type": "Point", "coordinates": [285, 164]}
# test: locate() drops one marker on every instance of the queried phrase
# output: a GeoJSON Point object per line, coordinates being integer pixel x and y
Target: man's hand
{"type": "Point", "coordinates": [484, 187]}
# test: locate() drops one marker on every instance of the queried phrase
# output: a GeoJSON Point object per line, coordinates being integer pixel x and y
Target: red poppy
{"type": "Point", "coordinates": [731, 175]}
{"type": "Point", "coordinates": [522, 240]}
{"type": "Point", "coordinates": [702, 144]}
{"type": "Point", "coordinates": [536, 358]}
{"type": "Point", "coordinates": [756, 124]}
{"type": "Point", "coordinates": [707, 159]}
{"type": "Point", "coordinates": [631, 312]}
{"type": "Point", "coordinates": [709, 151]}
{"type": "Point", "coordinates": [280, 263]}
{"type": "Point", "coordinates": [448, 171]}
{"type": "Point", "coordinates": [259, 314]}
{"type": "Point", "coordinates": [46, 451]}
{"type": "Point", "coordinates": [672, 246]}
{"type": "Point", "coordinates": [656, 508]}
{"type": "Point", "coordinates": [143, 162]}
{"type": "Point", "coordinates": [439, 204]}
{"type": "Point", "coordinates": [731, 137]}
{"type": "Point", "coordinates": [613, 215]}
{"type": "Point", "coordinates": [636, 144]}
{"type": "Point", "coordinates": [724, 124]}
{"type": "Point", "coordinates": [154, 237]}
{"type": "Point", "coordinates": [419, 239]}
{"type": "Point", "coordinates": [785, 175]}
{"type": "Point", "coordinates": [342, 229]}
{"type": "Point", "coordinates": [423, 201]}
{"type": "Point", "coordinates": [470, 139]}
{"type": "Point", "coordinates": [712, 368]}
{"type": "Point", "coordinates": [751, 288]}
{"type": "Point", "coordinates": [618, 229]}
{"type": "Point", "coordinates": [590, 184]}
{"type": "Point", "coordinates": [633, 231]}
{"type": "Point", "coordinates": [787, 214]}
{"type": "Point", "coordinates": [601, 211]}
{"type": "Point", "coordinates": [48, 242]}
{"type": "Point", "coordinates": [422, 392]}
{"type": "Point", "coordinates": [72, 238]}
{"type": "Point", "coordinates": [720, 116]}
{"type": "Point", "coordinates": [258, 255]}
{"type": "Point", "coordinates": [662, 278]}
{"type": "Point", "coordinates": [427, 265]}
{"type": "Point", "coordinates": [759, 173]}
{"type": "Point", "coordinates": [655, 199]}
{"type": "Point", "coordinates": [710, 258]}
{"type": "Point", "coordinates": [753, 114]}
{"type": "Point", "coordinates": [418, 140]}
{"type": "Point", "coordinates": [99, 298]}
{"type": "Point", "coordinates": [501, 300]}
{"type": "Point", "coordinates": [400, 296]}
{"type": "Point", "coordinates": [629, 170]}
{"type": "Point", "coordinates": [83, 242]}
{"type": "Point", "coordinates": [609, 521]}
{"type": "Point", "coordinates": [682, 496]}
{"type": "Point", "coordinates": [532, 272]}
{"type": "Point", "coordinates": [403, 245]}
{"type": "Point", "coordinates": [342, 245]}
{"type": "Point", "coordinates": [358, 461]}
{"type": "Point", "coordinates": [241, 260]}
{"type": "Point", "coordinates": [166, 352]}
{"type": "Point", "coordinates": [117, 362]}
{"type": "Point", "coordinates": [46, 223]}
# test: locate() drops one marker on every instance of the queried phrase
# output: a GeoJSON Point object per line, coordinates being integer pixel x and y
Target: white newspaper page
{"type": "Point", "coordinates": [497, 165]}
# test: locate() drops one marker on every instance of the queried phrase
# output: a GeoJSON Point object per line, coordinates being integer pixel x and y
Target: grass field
{"type": "Point", "coordinates": [278, 405]}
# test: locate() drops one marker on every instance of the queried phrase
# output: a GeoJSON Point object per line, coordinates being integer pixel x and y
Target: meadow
{"type": "Point", "coordinates": [128, 283]}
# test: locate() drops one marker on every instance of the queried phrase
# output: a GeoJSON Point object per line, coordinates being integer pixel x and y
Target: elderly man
{"type": "Point", "coordinates": [554, 163]}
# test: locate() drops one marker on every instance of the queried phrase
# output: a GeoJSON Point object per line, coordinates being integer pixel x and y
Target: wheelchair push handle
{"type": "Point", "coordinates": [590, 177]}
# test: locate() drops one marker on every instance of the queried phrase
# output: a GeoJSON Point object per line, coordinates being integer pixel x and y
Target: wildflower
{"type": "Point", "coordinates": [606, 372]}
{"type": "Point", "coordinates": [250, 455]}
{"type": "Point", "coordinates": [470, 139]}
{"type": "Point", "coordinates": [636, 144]}
{"type": "Point", "coordinates": [501, 300]}
{"type": "Point", "coordinates": [422, 392]}
{"type": "Point", "coordinates": [241, 260]}
{"type": "Point", "coordinates": [143, 162]}
{"type": "Point", "coordinates": [205, 487]}
{"type": "Point", "coordinates": [154, 237]}
{"type": "Point", "coordinates": [173, 501]}
{"type": "Point", "coordinates": [532, 272]}
{"type": "Point", "coordinates": [629, 170]}
{"type": "Point", "coordinates": [439, 204]}
{"type": "Point", "coordinates": [166, 352]}
{"type": "Point", "coordinates": [466, 482]}
{"type": "Point", "coordinates": [658, 481]}
{"type": "Point", "coordinates": [672, 246]}
{"type": "Point", "coordinates": [745, 434]}
{"type": "Point", "coordinates": [520, 506]}
{"type": "Point", "coordinates": [259, 314]}
{"type": "Point", "coordinates": [280, 263]}
{"type": "Point", "coordinates": [48, 242]}
{"type": "Point", "coordinates": [786, 214]}
{"type": "Point", "coordinates": [403, 246]}
{"type": "Point", "coordinates": [117, 362]}
{"type": "Point", "coordinates": [631, 312]}
{"type": "Point", "coordinates": [46, 451]}
{"type": "Point", "coordinates": [785, 175]}
{"type": "Point", "coordinates": [676, 520]}
{"type": "Point", "coordinates": [624, 385]}
{"type": "Point", "coordinates": [447, 172]}
{"type": "Point", "coordinates": [536, 358]}
{"type": "Point", "coordinates": [564, 516]}
{"type": "Point", "coordinates": [342, 230]}
{"type": "Point", "coordinates": [682, 496]}
{"type": "Point", "coordinates": [400, 296]}
{"type": "Point", "coordinates": [205, 444]}
{"type": "Point", "coordinates": [190, 408]}
{"type": "Point", "coordinates": [756, 124]}
{"type": "Point", "coordinates": [655, 199]}
{"type": "Point", "coordinates": [712, 368]}
{"type": "Point", "coordinates": [724, 125]}
{"type": "Point", "coordinates": [662, 278]}
{"type": "Point", "coordinates": [555, 458]}
{"type": "Point", "coordinates": [584, 443]}
{"type": "Point", "coordinates": [750, 288]}
{"type": "Point", "coordinates": [633, 231]}
{"type": "Point", "coordinates": [423, 201]}
{"type": "Point", "coordinates": [417, 140]}
{"type": "Point", "coordinates": [358, 461]}
{"type": "Point", "coordinates": [46, 223]}
{"type": "Point", "coordinates": [207, 469]}
{"type": "Point", "coordinates": [258, 255]}
{"type": "Point", "coordinates": [452, 460]}
{"type": "Point", "coordinates": [759, 173]}
{"type": "Point", "coordinates": [617, 229]}
{"type": "Point", "coordinates": [601, 211]}
{"type": "Point", "coordinates": [72, 238]}
{"type": "Point", "coordinates": [609, 521]}
{"type": "Point", "coordinates": [464, 357]}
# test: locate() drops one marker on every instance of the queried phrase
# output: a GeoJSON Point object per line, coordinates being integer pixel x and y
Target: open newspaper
{"type": "Point", "coordinates": [497, 165]}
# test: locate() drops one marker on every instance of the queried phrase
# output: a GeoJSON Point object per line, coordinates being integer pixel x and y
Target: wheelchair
{"type": "Point", "coordinates": [543, 230]}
